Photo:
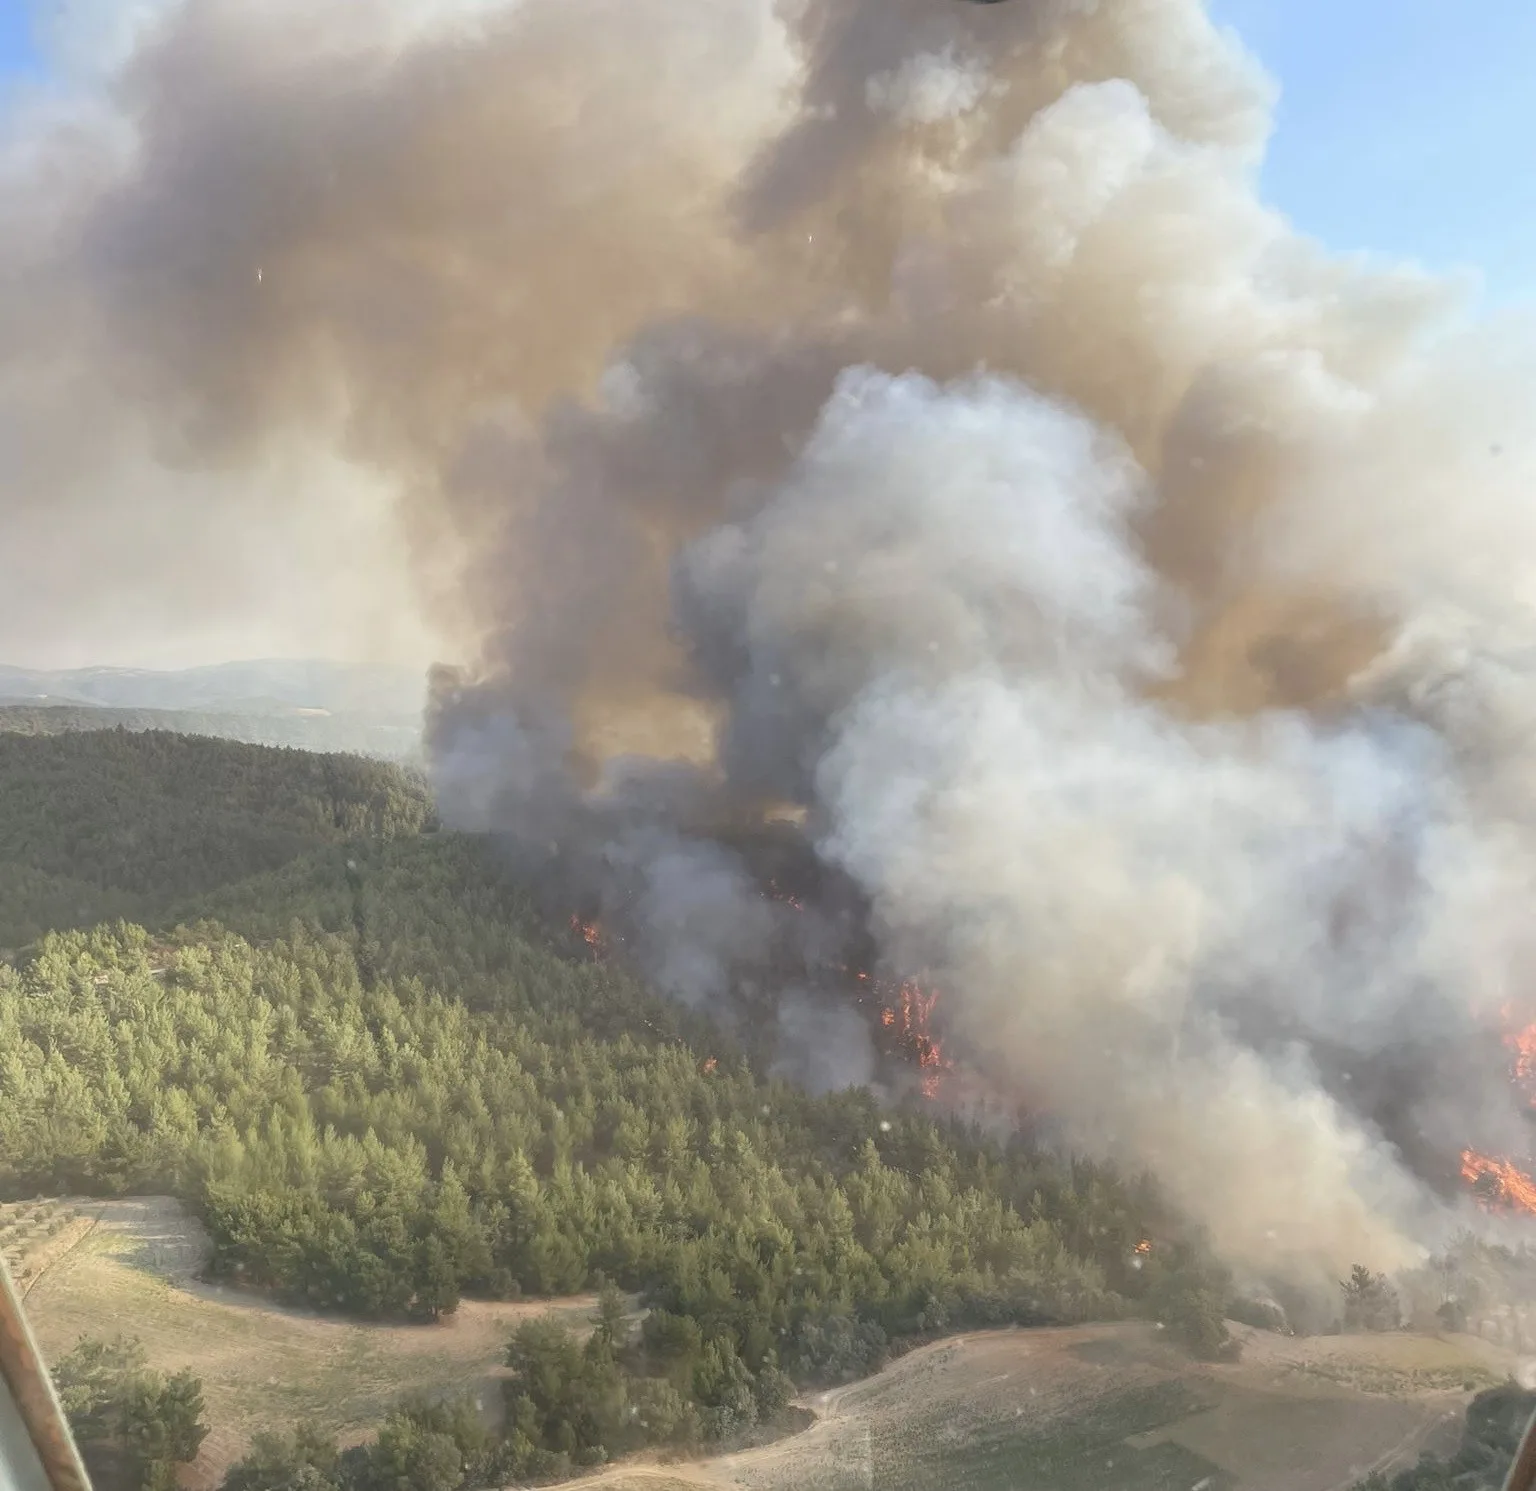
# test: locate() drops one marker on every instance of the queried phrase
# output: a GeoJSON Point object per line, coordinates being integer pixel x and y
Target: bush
{"type": "Point", "coordinates": [305, 1460]}
{"type": "Point", "coordinates": [835, 1348]}
{"type": "Point", "coordinates": [1189, 1295]}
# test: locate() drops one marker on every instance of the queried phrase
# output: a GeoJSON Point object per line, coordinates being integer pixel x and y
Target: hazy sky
{"type": "Point", "coordinates": [1404, 130]}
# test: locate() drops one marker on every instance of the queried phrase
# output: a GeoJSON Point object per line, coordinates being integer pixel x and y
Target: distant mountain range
{"type": "Point", "coordinates": [270, 686]}
{"type": "Point", "coordinates": [373, 710]}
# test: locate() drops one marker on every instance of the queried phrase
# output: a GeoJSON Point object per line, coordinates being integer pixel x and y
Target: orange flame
{"type": "Point", "coordinates": [908, 1017]}
{"type": "Point", "coordinates": [1523, 1044]}
{"type": "Point", "coordinates": [1144, 1246]}
{"type": "Point", "coordinates": [711, 1064]}
{"type": "Point", "coordinates": [1497, 1184]}
{"type": "Point", "coordinates": [591, 933]}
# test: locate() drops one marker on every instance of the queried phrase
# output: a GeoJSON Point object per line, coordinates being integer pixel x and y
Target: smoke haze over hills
{"type": "Point", "coordinates": [269, 685]}
{"type": "Point", "coordinates": [897, 416]}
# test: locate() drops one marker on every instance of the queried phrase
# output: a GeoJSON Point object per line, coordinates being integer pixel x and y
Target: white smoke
{"type": "Point", "coordinates": [903, 418]}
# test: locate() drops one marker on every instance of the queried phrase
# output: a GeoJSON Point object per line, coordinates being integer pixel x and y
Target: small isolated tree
{"type": "Point", "coordinates": [134, 1425]}
{"type": "Point", "coordinates": [1370, 1302]}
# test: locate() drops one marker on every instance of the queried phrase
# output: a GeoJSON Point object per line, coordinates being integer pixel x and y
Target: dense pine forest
{"type": "Point", "coordinates": [111, 824]}
{"type": "Point", "coordinates": [262, 981]}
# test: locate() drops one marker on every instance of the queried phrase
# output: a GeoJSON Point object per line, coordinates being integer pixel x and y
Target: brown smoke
{"type": "Point", "coordinates": [901, 412]}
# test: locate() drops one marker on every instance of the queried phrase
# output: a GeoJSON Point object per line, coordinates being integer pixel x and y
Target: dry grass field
{"type": "Point", "coordinates": [1110, 1408]}
{"type": "Point", "coordinates": [128, 1268]}
{"type": "Point", "coordinates": [1106, 1408]}
{"type": "Point", "coordinates": [1097, 1408]}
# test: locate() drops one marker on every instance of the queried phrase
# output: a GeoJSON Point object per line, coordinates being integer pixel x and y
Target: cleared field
{"type": "Point", "coordinates": [1100, 1408]}
{"type": "Point", "coordinates": [130, 1270]}
{"type": "Point", "coordinates": [1109, 1408]}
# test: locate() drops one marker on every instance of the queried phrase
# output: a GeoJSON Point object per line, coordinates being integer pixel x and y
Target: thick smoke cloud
{"type": "Point", "coordinates": [887, 449]}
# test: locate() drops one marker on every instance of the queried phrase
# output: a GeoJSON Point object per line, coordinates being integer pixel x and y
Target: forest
{"type": "Point", "coordinates": [106, 824]}
{"type": "Point", "coordinates": [346, 1040]}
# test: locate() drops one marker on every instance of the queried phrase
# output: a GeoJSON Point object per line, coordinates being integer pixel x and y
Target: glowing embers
{"type": "Point", "coordinates": [784, 897]}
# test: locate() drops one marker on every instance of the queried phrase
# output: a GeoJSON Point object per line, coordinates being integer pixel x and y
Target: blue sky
{"type": "Point", "coordinates": [1407, 127]}
{"type": "Point", "coordinates": [17, 53]}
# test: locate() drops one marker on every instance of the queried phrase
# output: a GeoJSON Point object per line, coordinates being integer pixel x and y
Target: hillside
{"type": "Point", "coordinates": [336, 1111]}
{"type": "Point", "coordinates": [110, 824]}
{"type": "Point", "coordinates": [382, 1087]}
{"type": "Point", "coordinates": [390, 1113]}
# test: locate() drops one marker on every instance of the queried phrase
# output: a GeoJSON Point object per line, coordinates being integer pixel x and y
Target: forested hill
{"type": "Point", "coordinates": [350, 1046]}
{"type": "Point", "coordinates": [104, 824]}
{"type": "Point", "coordinates": [388, 739]}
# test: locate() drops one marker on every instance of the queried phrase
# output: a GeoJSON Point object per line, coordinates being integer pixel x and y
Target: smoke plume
{"type": "Point", "coordinates": [898, 491]}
